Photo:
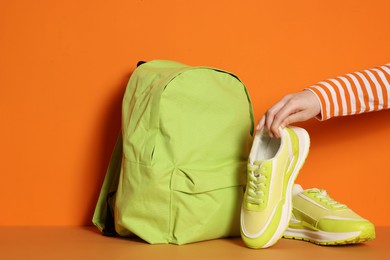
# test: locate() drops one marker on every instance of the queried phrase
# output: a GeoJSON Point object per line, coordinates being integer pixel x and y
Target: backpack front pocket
{"type": "Point", "coordinates": [206, 205]}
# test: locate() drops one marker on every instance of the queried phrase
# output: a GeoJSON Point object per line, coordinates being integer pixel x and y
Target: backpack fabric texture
{"type": "Point", "coordinates": [178, 169]}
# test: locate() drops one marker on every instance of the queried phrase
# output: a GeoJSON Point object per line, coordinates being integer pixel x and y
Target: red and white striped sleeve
{"type": "Point", "coordinates": [354, 93]}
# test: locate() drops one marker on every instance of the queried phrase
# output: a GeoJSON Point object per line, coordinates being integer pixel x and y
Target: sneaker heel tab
{"type": "Point", "coordinates": [297, 189]}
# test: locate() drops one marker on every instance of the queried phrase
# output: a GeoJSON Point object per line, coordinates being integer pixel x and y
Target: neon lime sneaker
{"type": "Point", "coordinates": [272, 168]}
{"type": "Point", "coordinates": [319, 219]}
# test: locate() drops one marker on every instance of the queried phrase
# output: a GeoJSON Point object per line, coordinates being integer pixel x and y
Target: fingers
{"type": "Point", "coordinates": [276, 114]}
{"type": "Point", "coordinates": [272, 116]}
{"type": "Point", "coordinates": [261, 123]}
{"type": "Point", "coordinates": [292, 108]}
{"type": "Point", "coordinates": [267, 119]}
{"type": "Point", "coordinates": [290, 113]}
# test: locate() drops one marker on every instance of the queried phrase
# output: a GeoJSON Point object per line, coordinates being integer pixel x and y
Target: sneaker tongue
{"type": "Point", "coordinates": [258, 162]}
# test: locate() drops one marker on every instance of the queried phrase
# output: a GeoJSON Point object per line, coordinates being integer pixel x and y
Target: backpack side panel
{"type": "Point", "coordinates": [109, 186]}
{"type": "Point", "coordinates": [139, 83]}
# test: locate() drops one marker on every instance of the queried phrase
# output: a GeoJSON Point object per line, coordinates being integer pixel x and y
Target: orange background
{"type": "Point", "coordinates": [64, 66]}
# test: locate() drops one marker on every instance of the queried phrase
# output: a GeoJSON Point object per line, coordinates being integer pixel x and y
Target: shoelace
{"type": "Point", "coordinates": [324, 197]}
{"type": "Point", "coordinates": [256, 184]}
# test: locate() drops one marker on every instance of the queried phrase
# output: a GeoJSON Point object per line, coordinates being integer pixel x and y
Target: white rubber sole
{"type": "Point", "coordinates": [320, 236]}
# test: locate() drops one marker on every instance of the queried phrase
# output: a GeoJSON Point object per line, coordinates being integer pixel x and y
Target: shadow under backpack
{"type": "Point", "coordinates": [178, 169]}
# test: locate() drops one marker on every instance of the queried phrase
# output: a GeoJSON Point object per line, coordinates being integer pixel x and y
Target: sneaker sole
{"type": "Point", "coordinates": [304, 145]}
{"type": "Point", "coordinates": [329, 238]}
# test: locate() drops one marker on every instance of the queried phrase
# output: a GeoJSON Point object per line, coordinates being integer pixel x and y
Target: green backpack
{"type": "Point", "coordinates": [178, 169]}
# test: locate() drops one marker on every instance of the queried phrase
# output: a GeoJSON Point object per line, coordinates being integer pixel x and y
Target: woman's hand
{"type": "Point", "coordinates": [292, 108]}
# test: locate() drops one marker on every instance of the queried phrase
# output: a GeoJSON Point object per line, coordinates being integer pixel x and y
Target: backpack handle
{"type": "Point", "coordinates": [139, 63]}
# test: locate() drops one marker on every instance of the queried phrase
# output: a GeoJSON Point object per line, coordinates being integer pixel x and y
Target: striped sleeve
{"type": "Point", "coordinates": [354, 93]}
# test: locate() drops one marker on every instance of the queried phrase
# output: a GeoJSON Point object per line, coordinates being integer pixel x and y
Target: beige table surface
{"type": "Point", "coordinates": [87, 243]}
